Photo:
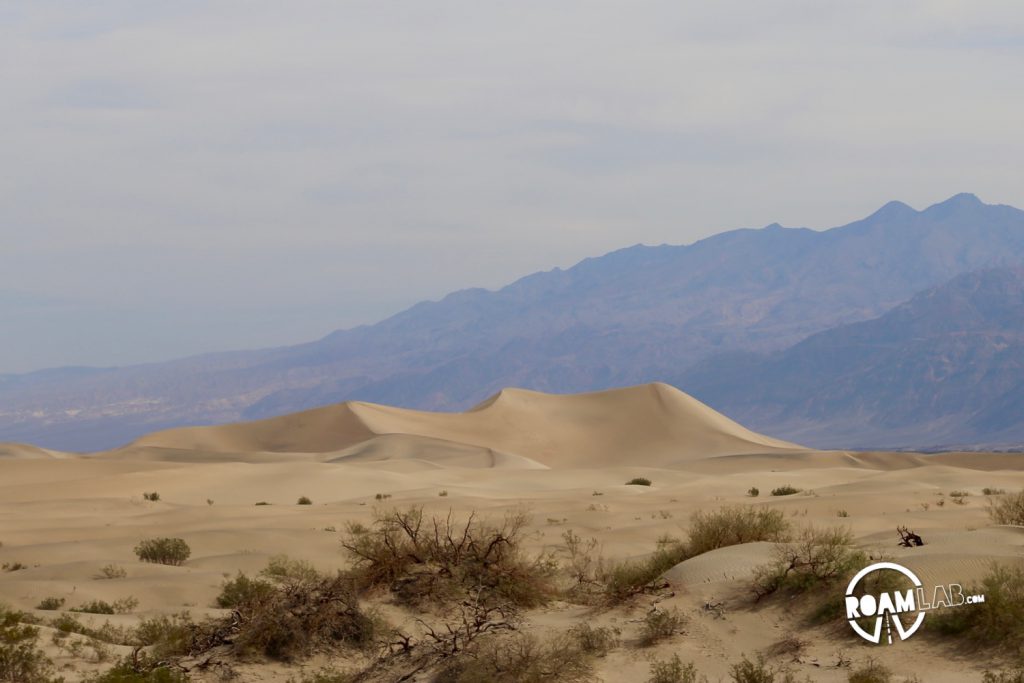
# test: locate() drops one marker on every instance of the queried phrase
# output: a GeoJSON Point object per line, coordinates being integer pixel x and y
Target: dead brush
{"type": "Point", "coordinates": [436, 559]}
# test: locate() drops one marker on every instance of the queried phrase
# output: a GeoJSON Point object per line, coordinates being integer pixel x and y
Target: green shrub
{"type": "Point", "coordinates": [303, 500]}
{"type": "Point", "coordinates": [639, 481]}
{"type": "Point", "coordinates": [172, 551]}
{"type": "Point", "coordinates": [1008, 509]}
{"type": "Point", "coordinates": [241, 590]}
{"type": "Point", "coordinates": [49, 604]}
{"type": "Point", "coordinates": [21, 661]}
{"type": "Point", "coordinates": [660, 624]}
{"type": "Point", "coordinates": [870, 672]}
{"type": "Point", "coordinates": [673, 671]}
{"type": "Point", "coordinates": [732, 525]}
{"type": "Point", "coordinates": [786, 490]}
{"type": "Point", "coordinates": [997, 622]}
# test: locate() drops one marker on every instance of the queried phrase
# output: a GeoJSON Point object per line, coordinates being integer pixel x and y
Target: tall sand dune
{"type": "Point", "coordinates": [652, 425]}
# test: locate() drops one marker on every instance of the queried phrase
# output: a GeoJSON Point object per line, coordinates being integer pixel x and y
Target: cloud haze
{"type": "Point", "coordinates": [191, 176]}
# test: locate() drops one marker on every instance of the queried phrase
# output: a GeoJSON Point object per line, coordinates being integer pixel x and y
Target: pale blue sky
{"type": "Point", "coordinates": [192, 176]}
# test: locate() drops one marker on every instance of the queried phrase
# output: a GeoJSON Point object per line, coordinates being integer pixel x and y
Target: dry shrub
{"type": "Point", "coordinates": [785, 490]}
{"type": "Point", "coordinates": [241, 590]}
{"type": "Point", "coordinates": [626, 579]}
{"type": "Point", "coordinates": [1003, 676]}
{"type": "Point", "coordinates": [816, 557]}
{"type": "Point", "coordinates": [673, 671]}
{"type": "Point", "coordinates": [997, 622]}
{"type": "Point", "coordinates": [1008, 509]}
{"type": "Point", "coordinates": [659, 625]}
{"type": "Point", "coordinates": [140, 669]}
{"type": "Point", "coordinates": [735, 524]}
{"type": "Point", "coordinates": [166, 635]}
{"type": "Point", "coordinates": [302, 613]}
{"type": "Point", "coordinates": [435, 559]}
{"type": "Point", "coordinates": [520, 658]}
{"type": "Point", "coordinates": [595, 640]}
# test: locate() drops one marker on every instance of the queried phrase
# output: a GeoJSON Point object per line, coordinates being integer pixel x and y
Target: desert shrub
{"type": "Point", "coordinates": [1008, 509]}
{"type": "Point", "coordinates": [108, 633]}
{"type": "Point", "coordinates": [121, 606]}
{"type": "Point", "coordinates": [673, 671]}
{"type": "Point", "coordinates": [871, 672]}
{"type": "Point", "coordinates": [21, 661]}
{"type": "Point", "coordinates": [660, 624]}
{"type": "Point", "coordinates": [520, 658]}
{"type": "Point", "coordinates": [111, 571]}
{"type": "Point", "coordinates": [989, 491]}
{"type": "Point", "coordinates": [140, 669]}
{"type": "Point", "coordinates": [326, 675]}
{"type": "Point", "coordinates": [303, 612]}
{"type": "Point", "coordinates": [429, 559]}
{"type": "Point", "coordinates": [786, 490]}
{"type": "Point", "coordinates": [172, 551]}
{"type": "Point", "coordinates": [817, 557]}
{"type": "Point", "coordinates": [753, 492]}
{"type": "Point", "coordinates": [13, 566]}
{"type": "Point", "coordinates": [166, 635]}
{"type": "Point", "coordinates": [151, 496]}
{"type": "Point", "coordinates": [842, 513]}
{"type": "Point", "coordinates": [626, 579]}
{"type": "Point", "coordinates": [303, 500]}
{"type": "Point", "coordinates": [594, 640]}
{"type": "Point", "coordinates": [639, 481]}
{"type": "Point", "coordinates": [747, 671]}
{"type": "Point", "coordinates": [1003, 676]}
{"type": "Point", "coordinates": [382, 496]}
{"type": "Point", "coordinates": [50, 604]}
{"type": "Point", "coordinates": [443, 493]}
{"type": "Point", "coordinates": [732, 525]}
{"type": "Point", "coordinates": [999, 621]}
{"type": "Point", "coordinates": [241, 590]}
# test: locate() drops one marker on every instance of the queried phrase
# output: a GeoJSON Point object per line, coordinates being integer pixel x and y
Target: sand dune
{"type": "Point", "coordinates": [652, 425]}
{"type": "Point", "coordinates": [20, 451]}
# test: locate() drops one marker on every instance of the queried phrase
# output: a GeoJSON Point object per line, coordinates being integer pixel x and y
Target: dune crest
{"type": "Point", "coordinates": [652, 425]}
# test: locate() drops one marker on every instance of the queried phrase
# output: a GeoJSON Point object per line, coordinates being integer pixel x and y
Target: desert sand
{"type": "Point", "coordinates": [564, 458]}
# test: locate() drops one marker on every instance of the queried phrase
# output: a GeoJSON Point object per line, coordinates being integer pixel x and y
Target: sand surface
{"type": "Point", "coordinates": [565, 458]}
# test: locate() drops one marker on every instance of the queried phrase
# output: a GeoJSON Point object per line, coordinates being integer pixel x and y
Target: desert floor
{"type": "Point", "coordinates": [65, 517]}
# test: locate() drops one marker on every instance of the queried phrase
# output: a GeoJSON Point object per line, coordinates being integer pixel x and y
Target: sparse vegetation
{"type": "Point", "coordinates": [786, 490]}
{"type": "Point", "coordinates": [303, 500]}
{"type": "Point", "coordinates": [842, 513]}
{"type": "Point", "coordinates": [988, 491]}
{"type": "Point", "coordinates": [443, 493]}
{"type": "Point", "coordinates": [871, 671]}
{"type": "Point", "coordinates": [747, 671]}
{"type": "Point", "coordinates": [21, 660]}
{"type": "Point", "coordinates": [595, 640]}
{"type": "Point", "coordinates": [172, 551]}
{"type": "Point", "coordinates": [382, 496]}
{"type": "Point", "coordinates": [673, 671]}
{"type": "Point", "coordinates": [13, 566]}
{"type": "Point", "coordinates": [1008, 509]}
{"type": "Point", "coordinates": [753, 492]}
{"type": "Point", "coordinates": [121, 606]}
{"type": "Point", "coordinates": [262, 502]}
{"type": "Point", "coordinates": [140, 669]}
{"type": "Point", "coordinates": [997, 622]}
{"type": "Point", "coordinates": [626, 579]}
{"type": "Point", "coordinates": [241, 590]}
{"type": "Point", "coordinates": [154, 496]}
{"type": "Point", "coordinates": [111, 571]}
{"type": "Point", "coordinates": [50, 604]}
{"type": "Point", "coordinates": [639, 481]}
{"type": "Point", "coordinates": [659, 625]}
{"type": "Point", "coordinates": [520, 658]}
{"type": "Point", "coordinates": [816, 557]}
{"type": "Point", "coordinates": [166, 635]}
{"type": "Point", "coordinates": [735, 524]}
{"type": "Point", "coordinates": [326, 675]}
{"type": "Point", "coordinates": [1003, 676]}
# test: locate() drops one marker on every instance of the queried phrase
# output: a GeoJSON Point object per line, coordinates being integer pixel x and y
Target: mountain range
{"type": "Point", "coordinates": [803, 334]}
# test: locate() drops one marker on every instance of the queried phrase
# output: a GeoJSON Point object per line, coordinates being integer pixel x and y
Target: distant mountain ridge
{"type": "Point", "coordinates": [946, 368]}
{"type": "Point", "coordinates": [632, 316]}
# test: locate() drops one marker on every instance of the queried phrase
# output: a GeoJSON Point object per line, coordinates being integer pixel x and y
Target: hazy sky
{"type": "Point", "coordinates": [189, 176]}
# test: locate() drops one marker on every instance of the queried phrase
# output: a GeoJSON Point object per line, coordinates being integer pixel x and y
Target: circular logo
{"type": "Point", "coordinates": [890, 609]}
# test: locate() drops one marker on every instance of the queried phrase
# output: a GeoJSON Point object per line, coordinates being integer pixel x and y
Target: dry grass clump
{"type": "Point", "coordinates": [111, 571]}
{"type": "Point", "coordinates": [172, 551]}
{"type": "Point", "coordinates": [735, 524]}
{"type": "Point", "coordinates": [674, 671]}
{"type": "Point", "coordinates": [434, 559]}
{"type": "Point", "coordinates": [997, 622]}
{"type": "Point", "coordinates": [816, 557]}
{"type": "Point", "coordinates": [595, 640]}
{"type": "Point", "coordinates": [871, 671]}
{"type": "Point", "coordinates": [1008, 509]}
{"type": "Point", "coordinates": [659, 625]}
{"type": "Point", "coordinates": [520, 658]}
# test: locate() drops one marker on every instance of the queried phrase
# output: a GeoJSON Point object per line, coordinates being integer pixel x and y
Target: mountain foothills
{"type": "Point", "coordinates": [861, 335]}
